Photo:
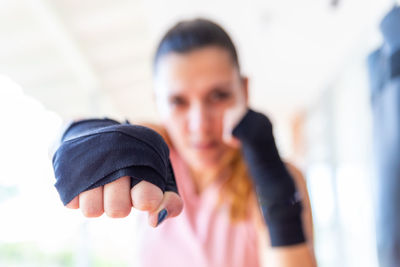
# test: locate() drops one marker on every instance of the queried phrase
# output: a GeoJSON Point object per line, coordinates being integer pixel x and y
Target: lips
{"type": "Point", "coordinates": [204, 145]}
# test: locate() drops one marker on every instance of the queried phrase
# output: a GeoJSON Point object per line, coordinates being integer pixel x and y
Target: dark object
{"type": "Point", "coordinates": [384, 70]}
{"type": "Point", "coordinates": [335, 3]}
{"type": "Point", "coordinates": [161, 216]}
{"type": "Point", "coordinates": [276, 191]}
{"type": "Point", "coordinates": [390, 28]}
{"type": "Point", "coordinates": [95, 152]}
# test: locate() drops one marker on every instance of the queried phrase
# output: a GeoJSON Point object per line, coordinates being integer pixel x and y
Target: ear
{"type": "Point", "coordinates": [245, 88]}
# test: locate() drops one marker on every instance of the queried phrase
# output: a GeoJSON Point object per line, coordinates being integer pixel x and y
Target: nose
{"type": "Point", "coordinates": [199, 119]}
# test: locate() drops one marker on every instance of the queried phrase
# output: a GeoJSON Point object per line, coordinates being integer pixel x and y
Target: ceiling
{"type": "Point", "coordinates": [93, 57]}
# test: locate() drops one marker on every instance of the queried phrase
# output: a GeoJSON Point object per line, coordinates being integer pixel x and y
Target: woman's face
{"type": "Point", "coordinates": [193, 90]}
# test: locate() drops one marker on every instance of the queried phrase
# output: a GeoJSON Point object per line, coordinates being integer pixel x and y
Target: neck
{"type": "Point", "coordinates": [202, 179]}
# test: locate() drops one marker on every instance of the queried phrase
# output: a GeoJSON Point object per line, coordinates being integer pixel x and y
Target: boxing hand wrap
{"type": "Point", "coordinates": [279, 201]}
{"type": "Point", "coordinates": [95, 152]}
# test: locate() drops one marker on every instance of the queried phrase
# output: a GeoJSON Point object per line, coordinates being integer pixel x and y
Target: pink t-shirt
{"type": "Point", "coordinates": [202, 235]}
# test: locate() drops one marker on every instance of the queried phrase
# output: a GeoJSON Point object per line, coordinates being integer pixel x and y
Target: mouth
{"type": "Point", "coordinates": [204, 146]}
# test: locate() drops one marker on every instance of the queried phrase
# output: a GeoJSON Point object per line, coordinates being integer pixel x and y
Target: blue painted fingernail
{"type": "Point", "coordinates": [161, 216]}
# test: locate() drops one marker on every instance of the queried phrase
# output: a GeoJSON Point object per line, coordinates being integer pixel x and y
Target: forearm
{"type": "Point", "coordinates": [281, 192]}
{"type": "Point", "coordinates": [275, 188]}
{"type": "Point", "coordinates": [282, 195]}
{"type": "Point", "coordinates": [301, 255]}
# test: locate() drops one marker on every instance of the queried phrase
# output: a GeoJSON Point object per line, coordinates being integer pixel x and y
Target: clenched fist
{"type": "Point", "coordinates": [104, 166]}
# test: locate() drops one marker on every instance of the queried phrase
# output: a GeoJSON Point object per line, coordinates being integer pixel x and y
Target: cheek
{"type": "Point", "coordinates": [175, 126]}
{"type": "Point", "coordinates": [217, 120]}
{"type": "Point", "coordinates": [217, 114]}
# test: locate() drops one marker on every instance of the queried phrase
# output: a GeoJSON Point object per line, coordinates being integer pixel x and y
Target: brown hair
{"type": "Point", "coordinates": [238, 188]}
{"type": "Point", "coordinates": [189, 35]}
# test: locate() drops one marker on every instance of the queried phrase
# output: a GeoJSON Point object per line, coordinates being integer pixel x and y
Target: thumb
{"type": "Point", "coordinates": [171, 206]}
{"type": "Point", "coordinates": [146, 196]}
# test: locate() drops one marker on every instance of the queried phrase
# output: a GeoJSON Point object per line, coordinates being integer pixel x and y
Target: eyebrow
{"type": "Point", "coordinates": [223, 85]}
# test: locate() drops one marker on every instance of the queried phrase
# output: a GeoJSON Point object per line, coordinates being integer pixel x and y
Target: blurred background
{"type": "Point", "coordinates": [64, 59]}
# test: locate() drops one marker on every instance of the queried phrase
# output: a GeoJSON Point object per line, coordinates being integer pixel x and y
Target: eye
{"type": "Point", "coordinates": [220, 95]}
{"type": "Point", "coordinates": [177, 101]}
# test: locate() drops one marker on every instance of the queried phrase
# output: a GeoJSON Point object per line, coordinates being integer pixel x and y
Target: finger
{"type": "Point", "coordinates": [146, 196]}
{"type": "Point", "coordinates": [74, 203]}
{"type": "Point", "coordinates": [91, 202]}
{"type": "Point", "coordinates": [117, 198]}
{"type": "Point", "coordinates": [170, 206]}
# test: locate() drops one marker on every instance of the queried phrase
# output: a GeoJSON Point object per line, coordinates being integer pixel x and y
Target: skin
{"type": "Point", "coordinates": [194, 91]}
{"type": "Point", "coordinates": [201, 96]}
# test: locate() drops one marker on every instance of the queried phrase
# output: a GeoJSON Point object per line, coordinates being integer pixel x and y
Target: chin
{"type": "Point", "coordinates": [205, 160]}
{"type": "Point", "coordinates": [205, 164]}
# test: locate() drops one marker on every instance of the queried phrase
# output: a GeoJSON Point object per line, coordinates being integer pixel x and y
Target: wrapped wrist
{"type": "Point", "coordinates": [274, 186]}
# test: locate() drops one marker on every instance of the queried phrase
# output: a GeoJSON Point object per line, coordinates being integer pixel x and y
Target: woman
{"type": "Point", "coordinates": [203, 101]}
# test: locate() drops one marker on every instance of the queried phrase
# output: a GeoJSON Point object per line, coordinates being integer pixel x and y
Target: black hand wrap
{"type": "Point", "coordinates": [276, 191]}
{"type": "Point", "coordinates": [95, 152]}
